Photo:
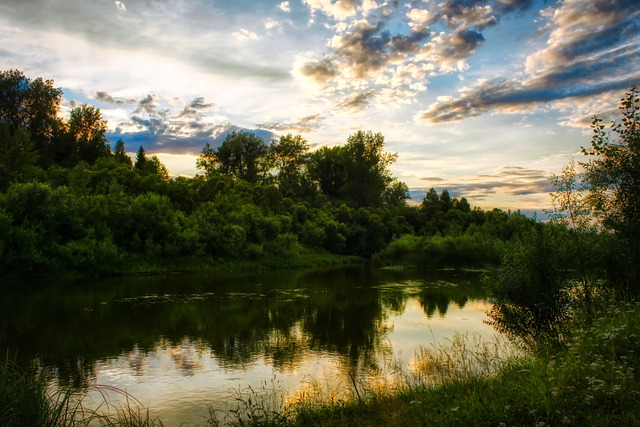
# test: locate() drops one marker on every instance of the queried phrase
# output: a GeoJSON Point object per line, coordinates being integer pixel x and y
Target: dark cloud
{"type": "Point", "coordinates": [157, 136]}
{"type": "Point", "coordinates": [465, 14]}
{"type": "Point", "coordinates": [105, 97]}
{"type": "Point", "coordinates": [356, 101]}
{"type": "Point", "coordinates": [321, 71]}
{"type": "Point", "coordinates": [510, 180]}
{"type": "Point", "coordinates": [368, 47]}
{"type": "Point", "coordinates": [147, 105]}
{"type": "Point", "coordinates": [589, 53]}
{"type": "Point", "coordinates": [365, 48]}
{"type": "Point", "coordinates": [506, 6]}
{"type": "Point", "coordinates": [305, 124]}
{"type": "Point", "coordinates": [195, 109]}
{"type": "Point", "coordinates": [448, 51]}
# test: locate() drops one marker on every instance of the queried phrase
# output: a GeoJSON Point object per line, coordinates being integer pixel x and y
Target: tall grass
{"type": "Point", "coordinates": [26, 399]}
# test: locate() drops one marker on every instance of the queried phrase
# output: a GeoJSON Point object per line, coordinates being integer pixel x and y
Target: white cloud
{"type": "Point", "coordinates": [246, 35]}
{"type": "Point", "coordinates": [285, 6]}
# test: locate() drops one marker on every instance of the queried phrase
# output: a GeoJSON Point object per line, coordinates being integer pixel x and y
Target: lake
{"type": "Point", "coordinates": [181, 344]}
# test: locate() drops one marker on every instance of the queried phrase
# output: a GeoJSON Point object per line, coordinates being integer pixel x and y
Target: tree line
{"type": "Point", "coordinates": [69, 201]}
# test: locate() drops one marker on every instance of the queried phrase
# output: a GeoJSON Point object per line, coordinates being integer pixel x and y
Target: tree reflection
{"type": "Point", "coordinates": [280, 318]}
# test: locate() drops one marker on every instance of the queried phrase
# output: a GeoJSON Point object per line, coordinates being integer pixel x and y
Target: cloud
{"type": "Point", "coordinates": [368, 47]}
{"type": "Point", "coordinates": [464, 14]}
{"type": "Point", "coordinates": [105, 97]}
{"type": "Point", "coordinates": [305, 124]}
{"type": "Point", "coordinates": [509, 180]}
{"type": "Point", "coordinates": [340, 10]}
{"type": "Point", "coordinates": [419, 20]}
{"type": "Point", "coordinates": [320, 71]}
{"type": "Point", "coordinates": [171, 126]}
{"type": "Point", "coordinates": [195, 109]}
{"type": "Point", "coordinates": [246, 35]}
{"type": "Point", "coordinates": [285, 6]}
{"type": "Point", "coordinates": [448, 52]}
{"type": "Point", "coordinates": [592, 48]}
{"type": "Point", "coordinates": [356, 101]}
{"type": "Point", "coordinates": [506, 6]}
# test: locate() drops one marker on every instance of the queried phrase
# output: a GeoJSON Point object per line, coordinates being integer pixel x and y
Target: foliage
{"type": "Point", "coordinates": [612, 175]}
{"type": "Point", "coordinates": [530, 287]}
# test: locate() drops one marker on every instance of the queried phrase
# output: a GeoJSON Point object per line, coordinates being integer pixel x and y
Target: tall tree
{"type": "Point", "coordinates": [289, 156]}
{"type": "Point", "coordinates": [357, 172]}
{"type": "Point", "coordinates": [32, 104]}
{"type": "Point", "coordinates": [208, 161]}
{"type": "Point", "coordinates": [141, 159]}
{"type": "Point", "coordinates": [89, 131]}
{"type": "Point", "coordinates": [120, 154]}
{"type": "Point", "coordinates": [367, 168]}
{"type": "Point", "coordinates": [612, 175]}
{"type": "Point", "coordinates": [327, 169]}
{"type": "Point", "coordinates": [243, 155]}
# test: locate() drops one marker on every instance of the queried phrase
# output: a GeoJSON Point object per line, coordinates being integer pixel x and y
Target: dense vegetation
{"type": "Point", "coordinates": [69, 202]}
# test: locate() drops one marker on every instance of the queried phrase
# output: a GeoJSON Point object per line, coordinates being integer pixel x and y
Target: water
{"type": "Point", "coordinates": [180, 344]}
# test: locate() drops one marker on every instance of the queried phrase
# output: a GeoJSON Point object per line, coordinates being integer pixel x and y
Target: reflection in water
{"type": "Point", "coordinates": [181, 343]}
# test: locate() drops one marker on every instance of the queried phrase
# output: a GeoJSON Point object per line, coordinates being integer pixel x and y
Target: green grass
{"type": "Point", "coordinates": [27, 400]}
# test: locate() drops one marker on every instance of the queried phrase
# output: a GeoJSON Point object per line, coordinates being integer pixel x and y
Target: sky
{"type": "Point", "coordinates": [487, 98]}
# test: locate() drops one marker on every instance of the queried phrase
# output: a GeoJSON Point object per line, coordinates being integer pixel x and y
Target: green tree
{"type": "Point", "coordinates": [141, 159]}
{"type": "Point", "coordinates": [120, 154]}
{"type": "Point", "coordinates": [208, 160]}
{"type": "Point", "coordinates": [612, 176]}
{"type": "Point", "coordinates": [367, 173]}
{"type": "Point", "coordinates": [89, 131]}
{"type": "Point", "coordinates": [357, 172]}
{"type": "Point", "coordinates": [530, 288]}
{"type": "Point", "coordinates": [289, 156]}
{"type": "Point", "coordinates": [18, 155]}
{"type": "Point", "coordinates": [569, 203]}
{"type": "Point", "coordinates": [242, 155]}
{"type": "Point", "coordinates": [327, 169]}
{"type": "Point", "coordinates": [31, 104]}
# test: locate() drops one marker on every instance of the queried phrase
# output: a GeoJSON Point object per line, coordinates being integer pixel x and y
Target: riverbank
{"type": "Point", "coordinates": [138, 265]}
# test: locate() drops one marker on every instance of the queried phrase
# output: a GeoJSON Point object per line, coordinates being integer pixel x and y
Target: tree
{"type": "Point", "coordinates": [327, 169]}
{"type": "Point", "coordinates": [120, 154]}
{"type": "Point", "coordinates": [242, 155]}
{"type": "Point", "coordinates": [367, 173]}
{"type": "Point", "coordinates": [289, 156]}
{"type": "Point", "coordinates": [356, 172]}
{"type": "Point", "coordinates": [17, 155]}
{"type": "Point", "coordinates": [141, 159]}
{"type": "Point", "coordinates": [89, 129]}
{"type": "Point", "coordinates": [612, 176]}
{"type": "Point", "coordinates": [32, 104]}
{"type": "Point", "coordinates": [570, 207]}
{"type": "Point", "coordinates": [208, 161]}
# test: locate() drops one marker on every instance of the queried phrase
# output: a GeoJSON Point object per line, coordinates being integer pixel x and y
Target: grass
{"type": "Point", "coordinates": [27, 400]}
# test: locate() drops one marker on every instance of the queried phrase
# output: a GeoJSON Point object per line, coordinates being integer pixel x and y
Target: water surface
{"type": "Point", "coordinates": [183, 343]}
